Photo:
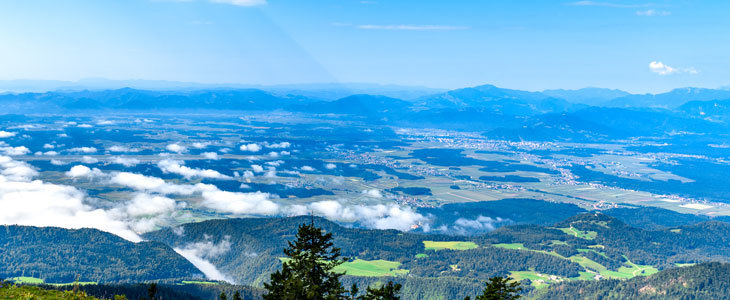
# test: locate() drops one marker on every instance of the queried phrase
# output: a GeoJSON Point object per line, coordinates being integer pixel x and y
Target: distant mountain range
{"type": "Point", "coordinates": [574, 115]}
{"type": "Point", "coordinates": [322, 91]}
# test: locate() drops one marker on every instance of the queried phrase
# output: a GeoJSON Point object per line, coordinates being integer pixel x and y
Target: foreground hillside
{"type": "Point", "coordinates": [10, 291]}
{"type": "Point", "coordinates": [58, 255]}
{"type": "Point", "coordinates": [703, 281]}
{"type": "Point", "coordinates": [585, 247]}
{"type": "Point", "coordinates": [582, 250]}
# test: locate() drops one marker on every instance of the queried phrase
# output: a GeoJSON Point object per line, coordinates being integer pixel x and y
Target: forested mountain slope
{"type": "Point", "coordinates": [60, 255]}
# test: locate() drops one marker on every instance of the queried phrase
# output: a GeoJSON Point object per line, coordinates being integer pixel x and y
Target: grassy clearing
{"type": "Point", "coordinates": [588, 235]}
{"type": "Point", "coordinates": [10, 291]}
{"type": "Point", "coordinates": [26, 280]}
{"type": "Point", "coordinates": [33, 280]}
{"type": "Point", "coordinates": [433, 245]}
{"type": "Point", "coordinates": [629, 271]}
{"type": "Point", "coordinates": [537, 280]}
{"type": "Point", "coordinates": [371, 268]}
{"type": "Point", "coordinates": [677, 230]}
{"type": "Point", "coordinates": [592, 250]}
{"type": "Point", "coordinates": [421, 255]}
{"type": "Point", "coordinates": [513, 246]}
{"type": "Point", "coordinates": [624, 272]}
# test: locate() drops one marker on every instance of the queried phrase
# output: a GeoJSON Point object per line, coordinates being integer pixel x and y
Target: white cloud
{"type": "Point", "coordinates": [199, 145]}
{"type": "Point", "coordinates": [271, 173]}
{"type": "Point", "coordinates": [241, 2]}
{"type": "Point", "coordinates": [376, 216]}
{"type": "Point", "coordinates": [652, 13]}
{"type": "Point", "coordinates": [151, 184]}
{"type": "Point", "coordinates": [330, 166]}
{"type": "Point", "coordinates": [57, 162]}
{"type": "Point", "coordinates": [80, 171]}
{"type": "Point", "coordinates": [257, 168]}
{"type": "Point", "coordinates": [89, 160]}
{"type": "Point", "coordinates": [239, 203]}
{"type": "Point", "coordinates": [83, 149]}
{"type": "Point", "coordinates": [178, 167]}
{"type": "Point", "coordinates": [15, 151]}
{"type": "Point", "coordinates": [610, 4]}
{"type": "Point", "coordinates": [413, 27]}
{"type": "Point", "coordinates": [48, 146]}
{"type": "Point", "coordinates": [210, 155]}
{"type": "Point", "coordinates": [663, 69]}
{"type": "Point", "coordinates": [85, 126]}
{"type": "Point", "coordinates": [198, 254]}
{"type": "Point", "coordinates": [281, 145]}
{"type": "Point", "coordinates": [463, 226]}
{"type": "Point", "coordinates": [374, 193]}
{"type": "Point", "coordinates": [307, 168]}
{"type": "Point", "coordinates": [144, 205]}
{"type": "Point", "coordinates": [118, 148]}
{"type": "Point", "coordinates": [47, 153]}
{"type": "Point", "coordinates": [126, 161]}
{"type": "Point", "coordinates": [16, 170]}
{"type": "Point", "coordinates": [250, 147]}
{"type": "Point", "coordinates": [177, 148]}
{"type": "Point", "coordinates": [6, 134]}
{"type": "Point", "coordinates": [36, 203]}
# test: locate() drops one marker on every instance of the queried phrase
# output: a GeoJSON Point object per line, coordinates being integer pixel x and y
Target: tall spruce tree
{"type": "Point", "coordinates": [500, 288]}
{"type": "Point", "coordinates": [308, 273]}
{"type": "Point", "coordinates": [387, 291]}
{"type": "Point", "coordinates": [237, 296]}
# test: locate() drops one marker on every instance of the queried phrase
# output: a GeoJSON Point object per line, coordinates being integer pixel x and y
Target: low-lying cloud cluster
{"type": "Point", "coordinates": [7, 134]}
{"type": "Point", "coordinates": [379, 216]}
{"type": "Point", "coordinates": [14, 151]}
{"type": "Point", "coordinates": [250, 147]}
{"type": "Point", "coordinates": [156, 202]}
{"type": "Point", "coordinates": [199, 254]}
{"type": "Point", "coordinates": [25, 201]}
{"type": "Point", "coordinates": [178, 167]}
{"type": "Point", "coordinates": [480, 224]}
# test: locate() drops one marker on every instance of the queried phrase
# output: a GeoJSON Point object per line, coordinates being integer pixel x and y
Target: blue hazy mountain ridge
{"type": "Point", "coordinates": [358, 104]}
{"type": "Point", "coordinates": [714, 110]}
{"type": "Point", "coordinates": [507, 101]}
{"type": "Point", "coordinates": [589, 96]}
{"type": "Point", "coordinates": [671, 99]}
{"type": "Point", "coordinates": [132, 99]}
{"type": "Point", "coordinates": [501, 112]}
{"type": "Point", "coordinates": [322, 91]}
{"type": "Point", "coordinates": [607, 123]}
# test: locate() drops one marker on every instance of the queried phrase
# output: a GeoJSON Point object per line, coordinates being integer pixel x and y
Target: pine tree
{"type": "Point", "coordinates": [308, 273]}
{"type": "Point", "coordinates": [152, 291]}
{"type": "Point", "coordinates": [387, 291]}
{"type": "Point", "coordinates": [237, 296]}
{"type": "Point", "coordinates": [500, 288]}
{"type": "Point", "coordinates": [223, 296]}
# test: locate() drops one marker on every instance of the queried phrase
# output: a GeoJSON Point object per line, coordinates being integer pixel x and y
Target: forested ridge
{"type": "Point", "coordinates": [703, 281]}
{"type": "Point", "coordinates": [89, 255]}
{"type": "Point", "coordinates": [581, 248]}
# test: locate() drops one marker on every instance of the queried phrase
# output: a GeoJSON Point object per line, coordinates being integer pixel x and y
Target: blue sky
{"type": "Point", "coordinates": [636, 46]}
